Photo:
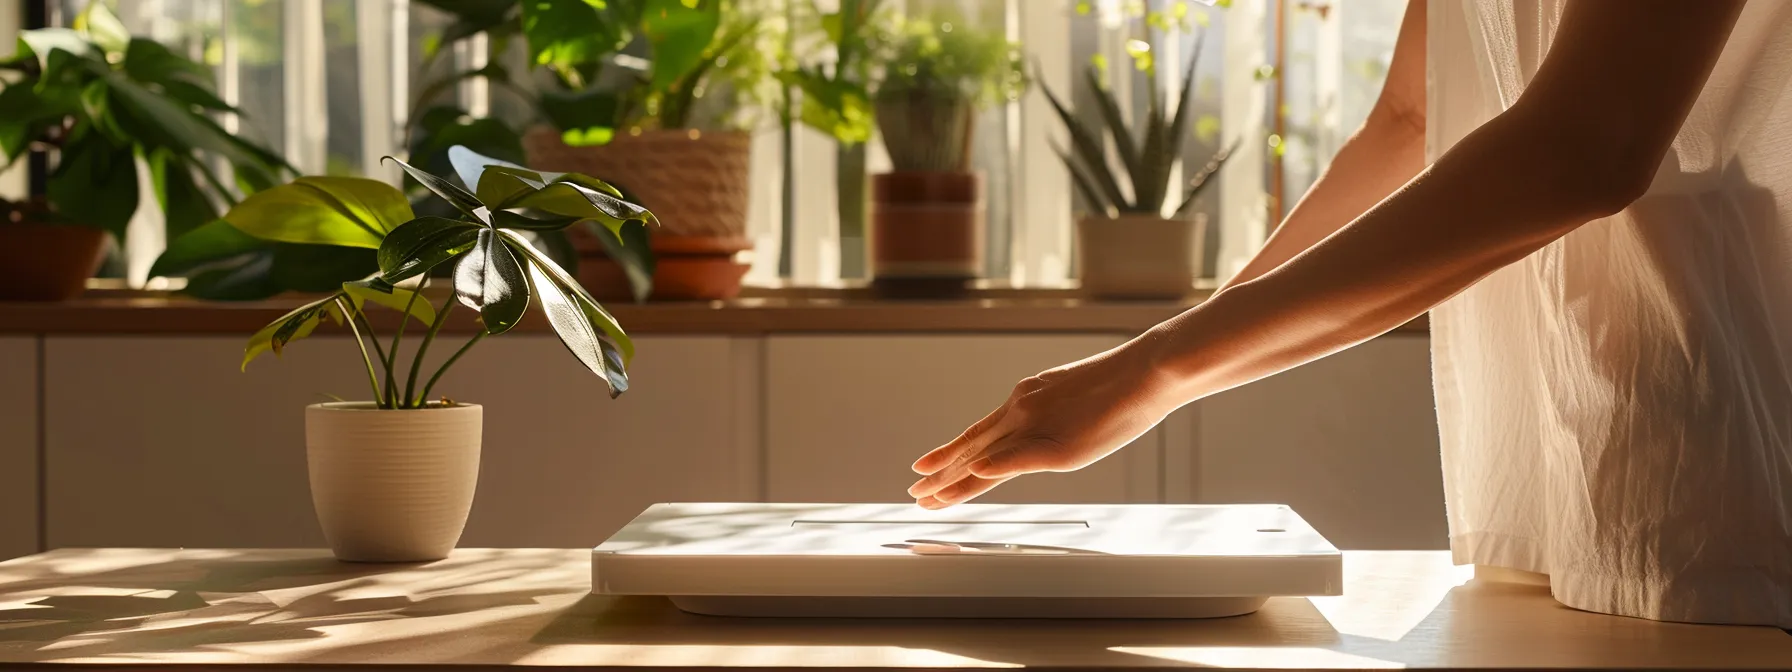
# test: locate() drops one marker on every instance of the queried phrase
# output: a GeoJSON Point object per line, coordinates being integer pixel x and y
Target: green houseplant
{"type": "Point", "coordinates": [927, 215]}
{"type": "Point", "coordinates": [1138, 241]}
{"type": "Point", "coordinates": [111, 106]}
{"type": "Point", "coordinates": [393, 477]}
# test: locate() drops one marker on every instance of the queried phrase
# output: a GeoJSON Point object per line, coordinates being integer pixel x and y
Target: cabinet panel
{"type": "Point", "coordinates": [1349, 441]}
{"type": "Point", "coordinates": [18, 446]}
{"type": "Point", "coordinates": [162, 442]}
{"type": "Point", "coordinates": [847, 415]}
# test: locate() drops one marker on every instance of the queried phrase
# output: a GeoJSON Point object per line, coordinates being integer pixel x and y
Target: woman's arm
{"type": "Point", "coordinates": [1380, 157]}
{"type": "Point", "coordinates": [1582, 142]}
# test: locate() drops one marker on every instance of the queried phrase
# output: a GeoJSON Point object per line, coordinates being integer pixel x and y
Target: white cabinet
{"type": "Point", "coordinates": [1349, 441]}
{"type": "Point", "coordinates": [847, 415]}
{"type": "Point", "coordinates": [19, 515]}
{"type": "Point", "coordinates": [162, 442]}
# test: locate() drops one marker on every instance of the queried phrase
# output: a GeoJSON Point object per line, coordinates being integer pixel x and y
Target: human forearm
{"type": "Point", "coordinates": [1386, 153]}
{"type": "Point", "coordinates": [1502, 193]}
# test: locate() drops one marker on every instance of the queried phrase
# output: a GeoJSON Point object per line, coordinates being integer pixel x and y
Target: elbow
{"type": "Point", "coordinates": [1610, 180]}
{"type": "Point", "coordinates": [1587, 172]}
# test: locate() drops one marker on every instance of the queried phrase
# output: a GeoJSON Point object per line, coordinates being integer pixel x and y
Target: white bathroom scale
{"type": "Point", "coordinates": [971, 560]}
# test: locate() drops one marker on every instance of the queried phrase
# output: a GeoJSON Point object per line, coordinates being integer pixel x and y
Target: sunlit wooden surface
{"type": "Point", "coordinates": [278, 608]}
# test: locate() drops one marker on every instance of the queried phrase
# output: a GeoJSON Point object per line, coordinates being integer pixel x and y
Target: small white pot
{"type": "Point", "coordinates": [392, 485]}
{"type": "Point", "coordinates": [1139, 256]}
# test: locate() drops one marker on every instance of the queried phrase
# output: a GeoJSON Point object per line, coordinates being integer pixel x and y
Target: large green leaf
{"type": "Point", "coordinates": [471, 166]}
{"type": "Point", "coordinates": [346, 211]}
{"type": "Point", "coordinates": [678, 31]}
{"type": "Point", "coordinates": [149, 61]}
{"type": "Point", "coordinates": [490, 280]}
{"type": "Point", "coordinates": [212, 243]}
{"type": "Point", "coordinates": [44, 42]}
{"type": "Point", "coordinates": [242, 278]}
{"type": "Point", "coordinates": [96, 184]}
{"type": "Point", "coordinates": [319, 268]}
{"type": "Point", "coordinates": [290, 327]}
{"type": "Point", "coordinates": [573, 200]}
{"type": "Point", "coordinates": [156, 120]}
{"type": "Point", "coordinates": [102, 27]}
{"type": "Point", "coordinates": [587, 330]}
{"type": "Point", "coordinates": [380, 292]}
{"type": "Point", "coordinates": [421, 244]}
{"type": "Point", "coordinates": [185, 206]}
{"type": "Point", "coordinates": [614, 336]}
{"type": "Point", "coordinates": [455, 196]}
{"type": "Point", "coordinates": [26, 113]}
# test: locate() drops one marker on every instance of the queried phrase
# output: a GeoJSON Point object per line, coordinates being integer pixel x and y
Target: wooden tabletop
{"type": "Point", "coordinates": [530, 607]}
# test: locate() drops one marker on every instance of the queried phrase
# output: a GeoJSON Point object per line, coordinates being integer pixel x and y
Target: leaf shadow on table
{"type": "Point", "coordinates": [174, 607]}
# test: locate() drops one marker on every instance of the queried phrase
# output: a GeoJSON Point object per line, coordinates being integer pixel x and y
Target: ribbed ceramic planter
{"type": "Point", "coordinates": [392, 486]}
{"type": "Point", "coordinates": [1139, 256]}
{"type": "Point", "coordinates": [927, 229]}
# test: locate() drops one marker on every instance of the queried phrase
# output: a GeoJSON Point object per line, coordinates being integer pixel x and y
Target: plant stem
{"type": "Point", "coordinates": [463, 350]}
{"type": "Point", "coordinates": [372, 378]}
{"type": "Point", "coordinates": [382, 397]}
{"type": "Point", "coordinates": [398, 337]}
{"type": "Point", "coordinates": [417, 363]}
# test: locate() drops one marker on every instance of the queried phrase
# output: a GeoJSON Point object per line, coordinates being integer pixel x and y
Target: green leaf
{"type": "Point", "coordinates": [211, 243]}
{"type": "Point", "coordinates": [96, 184]}
{"type": "Point", "coordinates": [1089, 148]}
{"type": "Point", "coordinates": [1110, 113]}
{"type": "Point", "coordinates": [582, 111]}
{"type": "Point", "coordinates": [678, 31]}
{"type": "Point", "coordinates": [150, 62]}
{"type": "Point", "coordinates": [290, 327]}
{"type": "Point", "coordinates": [347, 211]}
{"type": "Point", "coordinates": [501, 185]}
{"type": "Point", "coordinates": [508, 219]}
{"type": "Point", "coordinates": [592, 309]}
{"type": "Point", "coordinates": [609, 355]}
{"type": "Point", "coordinates": [102, 27]}
{"type": "Point", "coordinates": [442, 128]}
{"type": "Point", "coordinates": [44, 42]}
{"type": "Point", "coordinates": [379, 291]}
{"type": "Point", "coordinates": [185, 206]}
{"type": "Point", "coordinates": [470, 166]}
{"type": "Point", "coordinates": [489, 280]}
{"type": "Point", "coordinates": [157, 120]}
{"type": "Point", "coordinates": [244, 278]}
{"type": "Point", "coordinates": [421, 244]}
{"type": "Point", "coordinates": [574, 200]}
{"type": "Point", "coordinates": [455, 196]}
{"type": "Point", "coordinates": [319, 268]}
{"type": "Point", "coordinates": [630, 250]}
{"type": "Point", "coordinates": [565, 34]}
{"type": "Point", "coordinates": [26, 113]}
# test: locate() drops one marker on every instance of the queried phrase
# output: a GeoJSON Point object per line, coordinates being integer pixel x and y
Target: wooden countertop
{"type": "Point", "coordinates": [212, 609]}
{"type": "Point", "coordinates": [1043, 312]}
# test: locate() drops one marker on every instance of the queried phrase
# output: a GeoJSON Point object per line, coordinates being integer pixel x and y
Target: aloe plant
{"type": "Point", "coordinates": [1141, 183]}
{"type": "Point", "coordinates": [497, 271]}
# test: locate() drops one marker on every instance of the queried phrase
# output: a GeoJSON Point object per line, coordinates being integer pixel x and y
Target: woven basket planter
{"type": "Point", "coordinates": [695, 182]}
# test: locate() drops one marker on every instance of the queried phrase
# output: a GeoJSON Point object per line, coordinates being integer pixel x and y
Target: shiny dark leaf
{"type": "Point", "coordinates": [456, 196]}
{"type": "Point", "coordinates": [419, 245]}
{"type": "Point", "coordinates": [490, 280]}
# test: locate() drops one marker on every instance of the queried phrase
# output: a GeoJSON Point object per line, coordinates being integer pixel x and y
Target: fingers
{"type": "Point", "coordinates": [966, 489]}
{"type": "Point", "coordinates": [973, 439]}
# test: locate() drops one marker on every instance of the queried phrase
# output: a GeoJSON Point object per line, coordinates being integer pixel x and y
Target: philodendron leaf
{"type": "Point", "coordinates": [573, 200]}
{"type": "Point", "coordinates": [290, 327]}
{"type": "Point", "coordinates": [211, 243]}
{"type": "Point", "coordinates": [506, 219]}
{"type": "Point", "coordinates": [490, 280]}
{"type": "Point", "coordinates": [456, 196]}
{"type": "Point", "coordinates": [500, 185]}
{"type": "Point", "coordinates": [615, 338]}
{"type": "Point", "coordinates": [344, 211]}
{"type": "Point", "coordinates": [45, 41]}
{"type": "Point", "coordinates": [422, 243]}
{"type": "Point", "coordinates": [582, 325]}
{"type": "Point", "coordinates": [379, 291]}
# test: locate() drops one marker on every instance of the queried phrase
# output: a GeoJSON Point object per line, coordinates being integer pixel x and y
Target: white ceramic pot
{"type": "Point", "coordinates": [1139, 256]}
{"type": "Point", "coordinates": [392, 486]}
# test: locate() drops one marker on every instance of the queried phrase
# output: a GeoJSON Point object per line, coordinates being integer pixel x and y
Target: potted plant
{"type": "Point", "coordinates": [392, 477]}
{"type": "Point", "coordinates": [927, 215]}
{"type": "Point", "coordinates": [1139, 241]}
{"type": "Point", "coordinates": [110, 105]}
{"type": "Point", "coordinates": [671, 123]}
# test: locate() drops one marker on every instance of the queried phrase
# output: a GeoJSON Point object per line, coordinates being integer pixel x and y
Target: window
{"type": "Point", "coordinates": [332, 83]}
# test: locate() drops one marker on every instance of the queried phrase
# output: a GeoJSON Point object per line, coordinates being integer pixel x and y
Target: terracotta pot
{"type": "Point", "coordinates": [42, 262]}
{"type": "Point", "coordinates": [392, 485]}
{"type": "Point", "coordinates": [685, 269]}
{"type": "Point", "coordinates": [695, 182]}
{"type": "Point", "coordinates": [1139, 256]}
{"type": "Point", "coordinates": [927, 229]}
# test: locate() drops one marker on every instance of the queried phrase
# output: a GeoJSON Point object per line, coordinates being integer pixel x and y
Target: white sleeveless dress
{"type": "Point", "coordinates": [1616, 409]}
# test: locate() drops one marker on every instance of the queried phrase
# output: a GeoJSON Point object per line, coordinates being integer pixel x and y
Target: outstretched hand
{"type": "Point", "coordinates": [1063, 419]}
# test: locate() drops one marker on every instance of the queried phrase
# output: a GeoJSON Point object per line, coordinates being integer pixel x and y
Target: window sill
{"type": "Point", "coordinates": [759, 311]}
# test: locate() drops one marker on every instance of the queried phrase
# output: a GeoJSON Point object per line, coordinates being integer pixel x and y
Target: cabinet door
{"type": "Point", "coordinates": [1349, 441]}
{"type": "Point", "coordinates": [19, 516]}
{"type": "Point", "coordinates": [162, 442]}
{"type": "Point", "coordinates": [847, 415]}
